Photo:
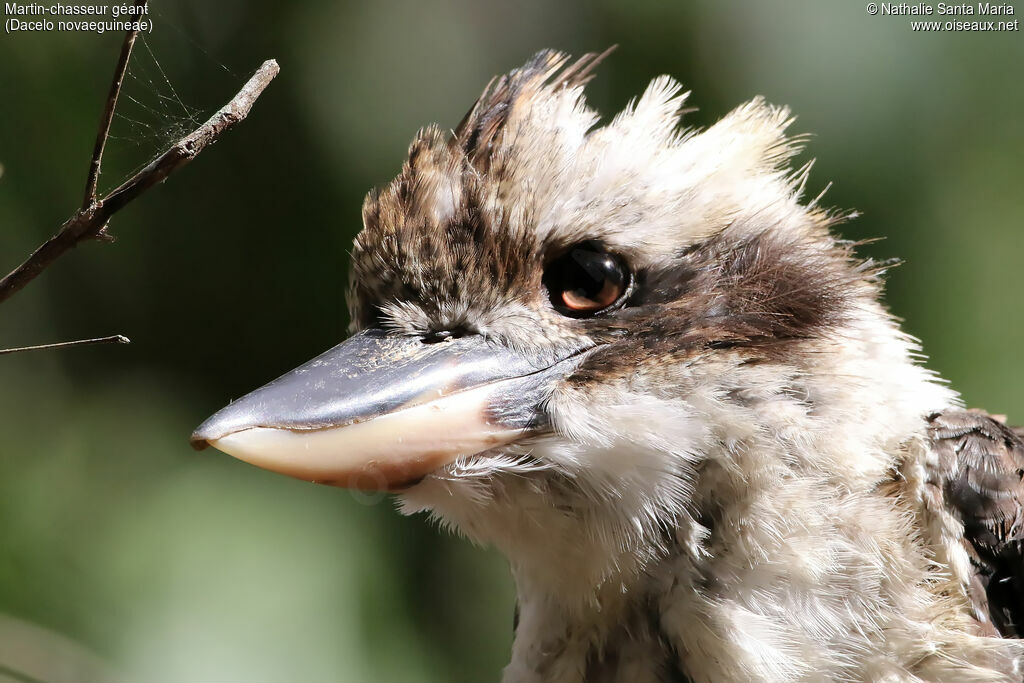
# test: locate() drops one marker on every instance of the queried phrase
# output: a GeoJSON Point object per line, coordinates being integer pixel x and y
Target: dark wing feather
{"type": "Point", "coordinates": [980, 473]}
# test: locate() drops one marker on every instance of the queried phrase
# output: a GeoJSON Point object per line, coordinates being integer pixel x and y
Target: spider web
{"type": "Point", "coordinates": [152, 113]}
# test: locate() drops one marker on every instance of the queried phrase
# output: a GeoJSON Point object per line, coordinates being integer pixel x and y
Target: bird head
{"type": "Point", "coordinates": [563, 334]}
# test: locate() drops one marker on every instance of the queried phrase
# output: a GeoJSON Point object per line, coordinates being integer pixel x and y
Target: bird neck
{"type": "Point", "coordinates": [768, 541]}
{"type": "Point", "coordinates": [724, 527]}
{"type": "Point", "coordinates": [616, 636]}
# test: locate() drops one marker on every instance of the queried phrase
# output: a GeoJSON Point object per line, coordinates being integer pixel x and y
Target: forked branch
{"type": "Point", "coordinates": [90, 221]}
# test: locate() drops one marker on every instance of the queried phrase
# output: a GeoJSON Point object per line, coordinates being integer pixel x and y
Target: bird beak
{"type": "Point", "coordinates": [381, 411]}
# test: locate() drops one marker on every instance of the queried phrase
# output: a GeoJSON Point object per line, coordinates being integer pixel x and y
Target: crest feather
{"type": "Point", "coordinates": [485, 121]}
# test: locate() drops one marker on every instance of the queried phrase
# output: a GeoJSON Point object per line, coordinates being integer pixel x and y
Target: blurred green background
{"type": "Point", "coordinates": [172, 565]}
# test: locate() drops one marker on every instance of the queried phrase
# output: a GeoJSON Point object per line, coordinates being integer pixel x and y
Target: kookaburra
{"type": "Point", "coordinates": [634, 360]}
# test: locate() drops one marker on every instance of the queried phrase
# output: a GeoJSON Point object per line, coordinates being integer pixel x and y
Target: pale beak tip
{"type": "Point", "coordinates": [207, 433]}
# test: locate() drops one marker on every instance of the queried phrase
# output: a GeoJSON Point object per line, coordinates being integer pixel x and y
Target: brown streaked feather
{"type": "Point", "coordinates": [483, 123]}
{"type": "Point", "coordinates": [582, 70]}
{"type": "Point", "coordinates": [980, 474]}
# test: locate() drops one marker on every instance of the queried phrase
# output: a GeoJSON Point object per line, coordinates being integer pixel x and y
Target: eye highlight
{"type": "Point", "coordinates": [586, 280]}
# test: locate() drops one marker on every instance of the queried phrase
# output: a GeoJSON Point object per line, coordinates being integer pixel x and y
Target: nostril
{"type": "Point", "coordinates": [435, 336]}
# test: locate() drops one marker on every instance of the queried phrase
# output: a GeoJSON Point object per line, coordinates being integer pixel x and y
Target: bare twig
{"type": "Point", "coordinates": [108, 115]}
{"type": "Point", "coordinates": [114, 339]}
{"type": "Point", "coordinates": [90, 220]}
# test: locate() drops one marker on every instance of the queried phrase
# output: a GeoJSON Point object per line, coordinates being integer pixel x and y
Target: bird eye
{"type": "Point", "coordinates": [585, 280]}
